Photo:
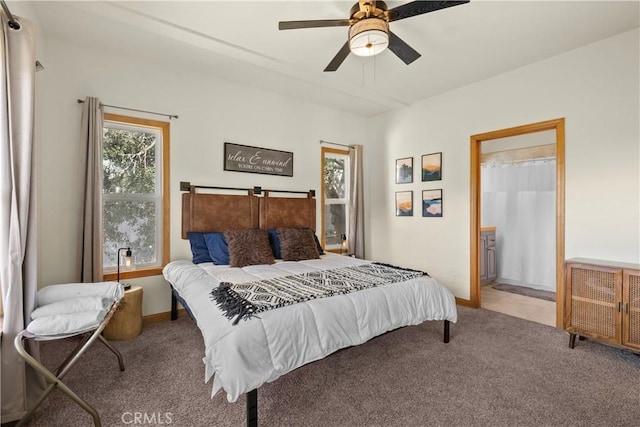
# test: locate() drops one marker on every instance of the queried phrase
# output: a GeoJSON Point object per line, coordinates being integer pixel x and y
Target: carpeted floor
{"type": "Point", "coordinates": [496, 371]}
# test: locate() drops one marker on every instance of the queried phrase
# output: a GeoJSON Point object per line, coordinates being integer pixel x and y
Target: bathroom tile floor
{"type": "Point", "coordinates": [533, 309]}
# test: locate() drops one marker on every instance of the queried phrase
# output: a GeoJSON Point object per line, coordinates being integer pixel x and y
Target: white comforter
{"type": "Point", "coordinates": [261, 349]}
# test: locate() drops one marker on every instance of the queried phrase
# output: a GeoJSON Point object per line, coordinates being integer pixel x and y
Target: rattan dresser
{"type": "Point", "coordinates": [602, 301]}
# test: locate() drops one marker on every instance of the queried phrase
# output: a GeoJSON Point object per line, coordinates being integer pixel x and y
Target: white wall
{"type": "Point", "coordinates": [211, 111]}
{"type": "Point", "coordinates": [595, 88]}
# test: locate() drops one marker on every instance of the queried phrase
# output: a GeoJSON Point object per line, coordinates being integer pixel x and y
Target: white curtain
{"type": "Point", "coordinates": [356, 203]}
{"type": "Point", "coordinates": [91, 149]}
{"type": "Point", "coordinates": [519, 200]}
{"type": "Point", "coordinates": [18, 266]}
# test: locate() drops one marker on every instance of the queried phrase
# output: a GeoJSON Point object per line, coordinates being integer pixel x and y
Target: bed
{"type": "Point", "coordinates": [242, 352]}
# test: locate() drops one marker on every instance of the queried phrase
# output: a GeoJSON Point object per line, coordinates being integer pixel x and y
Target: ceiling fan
{"type": "Point", "coordinates": [369, 32]}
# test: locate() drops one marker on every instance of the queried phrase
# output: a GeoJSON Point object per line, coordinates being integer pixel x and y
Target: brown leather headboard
{"type": "Point", "coordinates": [218, 212]}
{"type": "Point", "coordinates": [288, 212]}
{"type": "Point", "coordinates": [208, 212]}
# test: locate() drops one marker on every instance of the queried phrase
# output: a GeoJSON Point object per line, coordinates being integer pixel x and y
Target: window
{"type": "Point", "coordinates": [335, 197]}
{"type": "Point", "coordinates": [135, 196]}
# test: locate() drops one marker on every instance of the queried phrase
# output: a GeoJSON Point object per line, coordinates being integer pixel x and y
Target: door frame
{"type": "Point", "coordinates": [476, 141]}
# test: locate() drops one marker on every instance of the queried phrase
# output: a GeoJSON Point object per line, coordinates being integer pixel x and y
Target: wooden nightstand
{"type": "Point", "coordinates": [126, 323]}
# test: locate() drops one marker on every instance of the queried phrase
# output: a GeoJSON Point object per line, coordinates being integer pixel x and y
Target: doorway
{"type": "Point", "coordinates": [556, 125]}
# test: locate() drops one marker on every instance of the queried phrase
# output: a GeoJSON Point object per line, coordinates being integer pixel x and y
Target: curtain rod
{"type": "Point", "coordinates": [171, 116]}
{"type": "Point", "coordinates": [13, 23]}
{"type": "Point", "coordinates": [335, 143]}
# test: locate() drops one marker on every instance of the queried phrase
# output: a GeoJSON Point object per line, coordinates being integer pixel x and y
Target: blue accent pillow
{"type": "Point", "coordinates": [217, 247]}
{"type": "Point", "coordinates": [198, 248]}
{"type": "Point", "coordinates": [274, 241]}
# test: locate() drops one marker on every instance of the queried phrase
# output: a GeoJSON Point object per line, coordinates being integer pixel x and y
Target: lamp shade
{"type": "Point", "coordinates": [369, 37]}
{"type": "Point", "coordinates": [343, 245]}
{"type": "Point", "coordinates": [128, 259]}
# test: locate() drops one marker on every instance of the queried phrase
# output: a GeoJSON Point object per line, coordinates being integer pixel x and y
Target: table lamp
{"type": "Point", "coordinates": [343, 246]}
{"type": "Point", "coordinates": [128, 262]}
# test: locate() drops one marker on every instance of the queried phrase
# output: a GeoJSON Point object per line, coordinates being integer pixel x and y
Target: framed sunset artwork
{"type": "Point", "coordinates": [432, 203]}
{"type": "Point", "coordinates": [404, 203]}
{"type": "Point", "coordinates": [404, 170]}
{"type": "Point", "coordinates": [432, 167]}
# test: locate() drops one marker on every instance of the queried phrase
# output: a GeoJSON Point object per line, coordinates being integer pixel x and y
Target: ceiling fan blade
{"type": "Point", "coordinates": [339, 58]}
{"type": "Point", "coordinates": [402, 49]}
{"type": "Point", "coordinates": [419, 7]}
{"type": "Point", "coordinates": [294, 25]}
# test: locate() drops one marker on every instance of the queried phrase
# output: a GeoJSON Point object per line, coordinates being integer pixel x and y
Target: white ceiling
{"type": "Point", "coordinates": [240, 41]}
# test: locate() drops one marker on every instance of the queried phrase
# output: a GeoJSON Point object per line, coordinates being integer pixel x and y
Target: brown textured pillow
{"type": "Point", "coordinates": [297, 244]}
{"type": "Point", "coordinates": [248, 247]}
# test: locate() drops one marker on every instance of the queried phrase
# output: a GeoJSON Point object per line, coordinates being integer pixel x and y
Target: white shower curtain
{"type": "Point", "coordinates": [519, 200]}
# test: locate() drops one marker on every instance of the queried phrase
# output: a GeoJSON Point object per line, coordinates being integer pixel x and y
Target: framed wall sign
{"type": "Point", "coordinates": [244, 158]}
{"type": "Point", "coordinates": [404, 170]}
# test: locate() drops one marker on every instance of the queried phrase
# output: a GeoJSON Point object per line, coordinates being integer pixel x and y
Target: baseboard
{"type": "Point", "coordinates": [152, 319]}
{"type": "Point", "coordinates": [465, 302]}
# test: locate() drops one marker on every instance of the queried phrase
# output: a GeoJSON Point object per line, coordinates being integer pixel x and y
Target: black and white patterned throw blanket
{"type": "Point", "coordinates": [244, 300]}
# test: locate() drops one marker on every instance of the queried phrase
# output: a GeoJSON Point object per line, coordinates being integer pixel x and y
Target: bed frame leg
{"type": "Point", "coordinates": [252, 408]}
{"type": "Point", "coordinates": [446, 331]}
{"type": "Point", "coordinates": [174, 306]}
{"type": "Point", "coordinates": [572, 340]}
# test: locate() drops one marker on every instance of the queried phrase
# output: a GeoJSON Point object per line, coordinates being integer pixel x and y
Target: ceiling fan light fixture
{"type": "Point", "coordinates": [369, 37]}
